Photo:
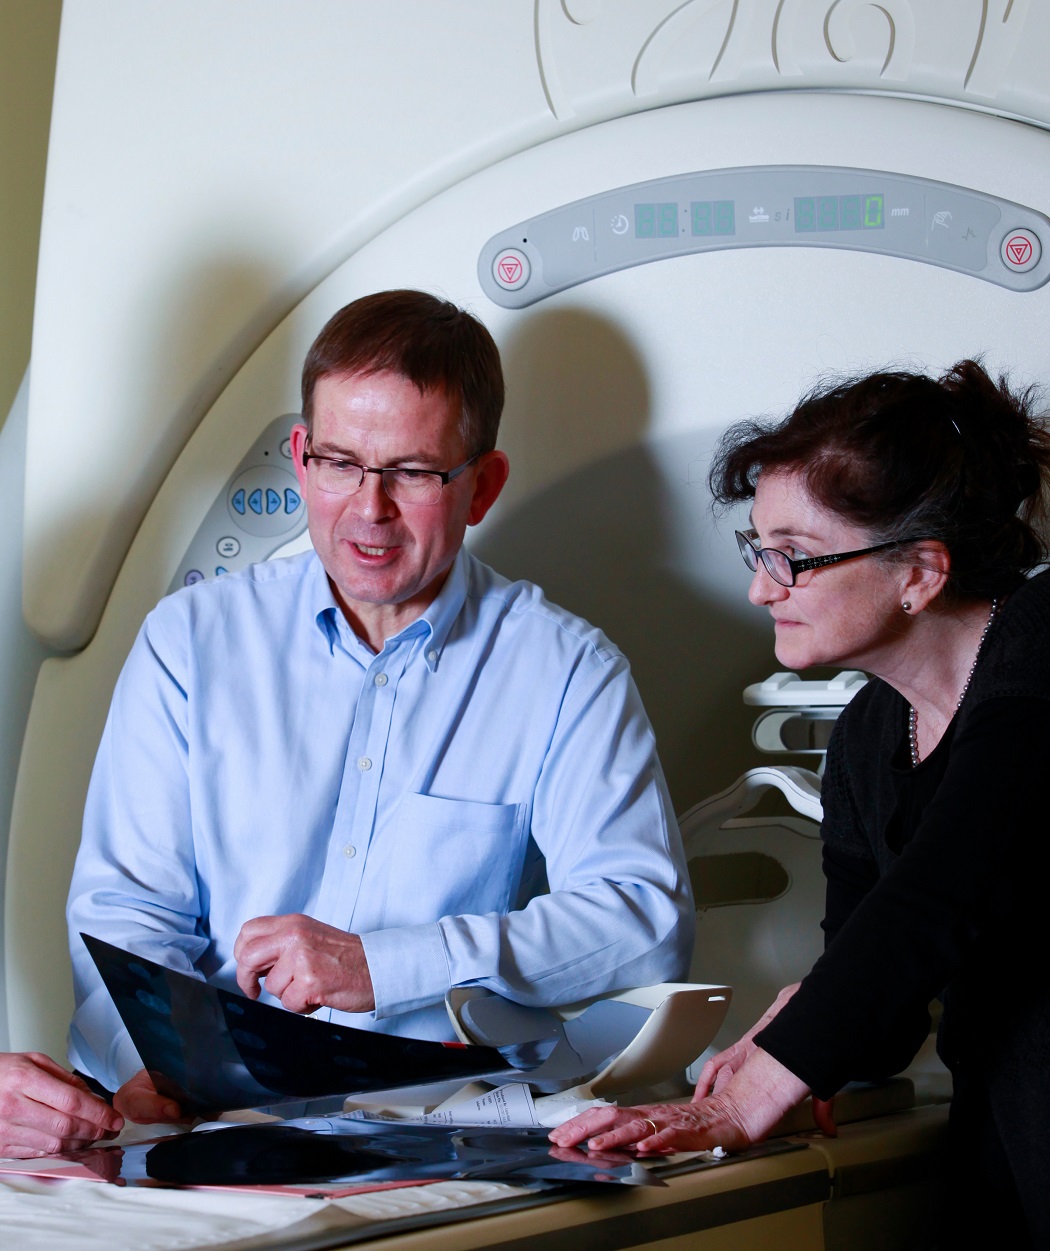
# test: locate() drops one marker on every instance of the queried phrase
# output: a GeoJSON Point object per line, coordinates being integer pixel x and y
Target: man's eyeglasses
{"type": "Point", "coordinates": [781, 568]}
{"type": "Point", "coordinates": [404, 486]}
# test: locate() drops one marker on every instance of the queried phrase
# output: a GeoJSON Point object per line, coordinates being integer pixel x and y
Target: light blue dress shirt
{"type": "Point", "coordinates": [260, 759]}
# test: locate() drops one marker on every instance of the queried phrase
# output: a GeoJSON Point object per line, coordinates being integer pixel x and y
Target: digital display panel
{"type": "Point", "coordinates": [656, 221]}
{"type": "Point", "coordinates": [770, 206]}
{"type": "Point", "coordinates": [713, 217]}
{"type": "Point", "coordinates": [839, 212]}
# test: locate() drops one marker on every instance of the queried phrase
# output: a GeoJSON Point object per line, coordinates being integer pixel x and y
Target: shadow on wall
{"type": "Point", "coordinates": [616, 525]}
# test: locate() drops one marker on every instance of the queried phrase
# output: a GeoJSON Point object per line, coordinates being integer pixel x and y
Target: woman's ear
{"type": "Point", "coordinates": [925, 576]}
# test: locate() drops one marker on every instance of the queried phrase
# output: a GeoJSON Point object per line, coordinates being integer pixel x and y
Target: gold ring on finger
{"type": "Point", "coordinates": [652, 1124]}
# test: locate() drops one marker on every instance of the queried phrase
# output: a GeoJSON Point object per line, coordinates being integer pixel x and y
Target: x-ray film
{"type": "Point", "coordinates": [214, 1050]}
{"type": "Point", "coordinates": [358, 1153]}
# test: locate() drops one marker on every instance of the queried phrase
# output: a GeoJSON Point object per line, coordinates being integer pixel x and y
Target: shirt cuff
{"type": "Point", "coordinates": [121, 1061]}
{"type": "Point", "coordinates": [408, 967]}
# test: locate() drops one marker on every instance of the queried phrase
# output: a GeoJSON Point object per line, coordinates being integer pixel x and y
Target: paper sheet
{"type": "Point", "coordinates": [506, 1105]}
{"type": "Point", "coordinates": [511, 1104]}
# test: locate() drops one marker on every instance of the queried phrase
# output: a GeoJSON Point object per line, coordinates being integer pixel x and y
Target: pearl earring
{"type": "Point", "coordinates": [906, 605]}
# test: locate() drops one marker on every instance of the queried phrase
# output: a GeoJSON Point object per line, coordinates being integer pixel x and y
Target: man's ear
{"type": "Point", "coordinates": [297, 441]}
{"type": "Point", "coordinates": [923, 579]}
{"type": "Point", "coordinates": [490, 478]}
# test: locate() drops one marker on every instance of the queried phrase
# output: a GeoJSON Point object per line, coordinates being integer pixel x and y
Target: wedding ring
{"type": "Point", "coordinates": [652, 1124]}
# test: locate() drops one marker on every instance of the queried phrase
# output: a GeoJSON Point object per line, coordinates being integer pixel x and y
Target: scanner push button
{"type": "Point", "coordinates": [265, 501]}
{"type": "Point", "coordinates": [511, 269]}
{"type": "Point", "coordinates": [1020, 251]}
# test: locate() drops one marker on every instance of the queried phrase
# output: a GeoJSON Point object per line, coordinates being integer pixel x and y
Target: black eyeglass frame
{"type": "Point", "coordinates": [752, 555]}
{"type": "Point", "coordinates": [444, 476]}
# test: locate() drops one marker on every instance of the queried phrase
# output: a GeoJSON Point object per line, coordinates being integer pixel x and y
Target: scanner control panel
{"type": "Point", "coordinates": [771, 206]}
{"type": "Point", "coordinates": [258, 511]}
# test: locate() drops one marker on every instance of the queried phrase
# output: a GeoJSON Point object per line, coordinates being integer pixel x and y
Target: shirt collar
{"type": "Point", "coordinates": [447, 605]}
{"type": "Point", "coordinates": [433, 625]}
{"type": "Point", "coordinates": [320, 603]}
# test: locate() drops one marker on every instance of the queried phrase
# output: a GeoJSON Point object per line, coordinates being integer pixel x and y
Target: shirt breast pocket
{"type": "Point", "coordinates": [456, 856]}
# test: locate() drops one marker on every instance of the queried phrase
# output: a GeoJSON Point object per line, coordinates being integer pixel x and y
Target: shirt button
{"type": "Point", "coordinates": [432, 656]}
{"type": "Point", "coordinates": [364, 764]}
{"type": "Point", "coordinates": [381, 679]}
{"type": "Point", "coordinates": [349, 851]}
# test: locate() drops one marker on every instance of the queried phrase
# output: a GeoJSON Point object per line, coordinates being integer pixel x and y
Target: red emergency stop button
{"type": "Point", "coordinates": [511, 269]}
{"type": "Point", "coordinates": [1020, 251]}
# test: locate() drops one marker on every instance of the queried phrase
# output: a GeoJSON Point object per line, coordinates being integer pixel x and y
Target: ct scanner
{"type": "Point", "coordinates": [636, 198]}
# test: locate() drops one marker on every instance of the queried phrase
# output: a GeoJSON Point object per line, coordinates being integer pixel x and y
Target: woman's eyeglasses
{"type": "Point", "coordinates": [781, 568]}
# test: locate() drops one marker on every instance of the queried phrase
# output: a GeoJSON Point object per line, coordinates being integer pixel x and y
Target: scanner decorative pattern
{"type": "Point", "coordinates": [590, 52]}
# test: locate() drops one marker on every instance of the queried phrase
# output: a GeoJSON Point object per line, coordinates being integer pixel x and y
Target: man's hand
{"type": "Point", "coordinates": [44, 1109]}
{"type": "Point", "coordinates": [306, 964]}
{"type": "Point", "coordinates": [139, 1101]}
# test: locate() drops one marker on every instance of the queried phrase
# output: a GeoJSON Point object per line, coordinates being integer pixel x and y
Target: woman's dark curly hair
{"type": "Point", "coordinates": [961, 458]}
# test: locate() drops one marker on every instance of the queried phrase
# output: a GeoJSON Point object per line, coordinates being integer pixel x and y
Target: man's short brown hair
{"type": "Point", "coordinates": [427, 340]}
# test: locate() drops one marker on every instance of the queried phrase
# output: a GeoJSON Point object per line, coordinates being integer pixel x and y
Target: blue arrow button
{"type": "Point", "coordinates": [273, 501]}
{"type": "Point", "coordinates": [238, 501]}
{"type": "Point", "coordinates": [255, 501]}
{"type": "Point", "coordinates": [292, 500]}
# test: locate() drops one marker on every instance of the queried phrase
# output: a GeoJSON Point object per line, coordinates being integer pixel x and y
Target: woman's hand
{"type": "Point", "coordinates": [743, 1112]}
{"type": "Point", "coordinates": [718, 1071]}
{"type": "Point", "coordinates": [653, 1128]}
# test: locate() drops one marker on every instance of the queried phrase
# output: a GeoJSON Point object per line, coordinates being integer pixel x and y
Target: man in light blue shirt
{"type": "Point", "coordinates": [344, 780]}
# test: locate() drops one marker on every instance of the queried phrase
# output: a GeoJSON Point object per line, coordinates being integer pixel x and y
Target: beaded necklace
{"type": "Point", "coordinates": [913, 716]}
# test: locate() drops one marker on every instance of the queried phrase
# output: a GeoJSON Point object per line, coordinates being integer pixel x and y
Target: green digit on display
{"type": "Point", "coordinates": [725, 217]}
{"type": "Point", "coordinates": [805, 214]}
{"type": "Point", "coordinates": [644, 221]}
{"type": "Point", "coordinates": [829, 212]}
{"type": "Point", "coordinates": [873, 212]}
{"type": "Point", "coordinates": [668, 220]}
{"type": "Point", "coordinates": [701, 210]}
{"type": "Point", "coordinates": [850, 210]}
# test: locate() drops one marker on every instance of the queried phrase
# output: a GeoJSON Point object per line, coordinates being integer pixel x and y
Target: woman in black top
{"type": "Point", "coordinates": [894, 525]}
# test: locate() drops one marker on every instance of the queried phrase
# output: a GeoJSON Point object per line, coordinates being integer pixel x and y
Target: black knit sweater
{"type": "Point", "coordinates": [936, 886]}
